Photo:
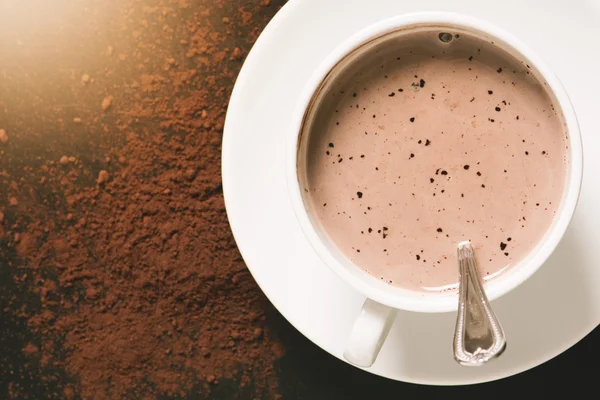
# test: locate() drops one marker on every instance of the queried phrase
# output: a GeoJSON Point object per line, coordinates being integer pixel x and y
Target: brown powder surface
{"type": "Point", "coordinates": [120, 274]}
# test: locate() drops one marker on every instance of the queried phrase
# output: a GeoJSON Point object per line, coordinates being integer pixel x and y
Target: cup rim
{"type": "Point", "coordinates": [405, 299]}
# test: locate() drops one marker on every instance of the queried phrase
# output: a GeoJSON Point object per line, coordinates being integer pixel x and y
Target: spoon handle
{"type": "Point", "coordinates": [478, 337]}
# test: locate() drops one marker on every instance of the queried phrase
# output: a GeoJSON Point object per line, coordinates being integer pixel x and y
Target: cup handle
{"type": "Point", "coordinates": [368, 333]}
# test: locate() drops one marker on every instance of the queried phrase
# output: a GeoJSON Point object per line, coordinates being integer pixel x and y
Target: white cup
{"type": "Point", "coordinates": [379, 310]}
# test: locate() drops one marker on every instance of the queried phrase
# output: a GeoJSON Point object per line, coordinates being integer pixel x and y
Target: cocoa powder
{"type": "Point", "coordinates": [122, 279]}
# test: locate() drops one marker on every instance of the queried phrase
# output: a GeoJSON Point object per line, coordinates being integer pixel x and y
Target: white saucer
{"type": "Point", "coordinates": [545, 316]}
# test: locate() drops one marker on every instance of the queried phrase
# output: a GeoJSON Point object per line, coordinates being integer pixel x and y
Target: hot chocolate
{"type": "Point", "coordinates": [430, 141]}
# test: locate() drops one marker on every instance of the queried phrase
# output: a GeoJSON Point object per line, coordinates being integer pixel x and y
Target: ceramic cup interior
{"type": "Point", "coordinates": [356, 52]}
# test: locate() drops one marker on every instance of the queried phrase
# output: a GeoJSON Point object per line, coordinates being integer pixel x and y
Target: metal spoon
{"type": "Point", "coordinates": [478, 337]}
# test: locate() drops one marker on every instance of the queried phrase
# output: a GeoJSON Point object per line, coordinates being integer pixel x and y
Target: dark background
{"type": "Point", "coordinates": [305, 371]}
